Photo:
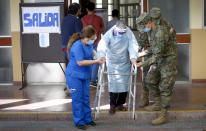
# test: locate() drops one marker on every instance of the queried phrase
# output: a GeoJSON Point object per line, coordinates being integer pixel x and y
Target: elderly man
{"type": "Point", "coordinates": [163, 64]}
{"type": "Point", "coordinates": [119, 47]}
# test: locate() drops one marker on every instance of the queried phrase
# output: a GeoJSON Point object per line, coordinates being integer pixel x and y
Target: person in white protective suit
{"type": "Point", "coordinates": [119, 46]}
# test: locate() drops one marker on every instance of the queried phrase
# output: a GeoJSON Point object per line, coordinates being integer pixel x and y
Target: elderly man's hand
{"type": "Point", "coordinates": [139, 64]}
{"type": "Point", "coordinates": [101, 60]}
{"type": "Point", "coordinates": [133, 61]}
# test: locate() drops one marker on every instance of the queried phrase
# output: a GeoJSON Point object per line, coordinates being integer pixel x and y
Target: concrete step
{"type": "Point", "coordinates": [118, 125]}
{"type": "Point", "coordinates": [103, 116]}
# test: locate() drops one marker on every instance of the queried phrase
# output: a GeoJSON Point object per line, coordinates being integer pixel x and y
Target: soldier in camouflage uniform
{"type": "Point", "coordinates": [163, 64]}
{"type": "Point", "coordinates": [144, 41]}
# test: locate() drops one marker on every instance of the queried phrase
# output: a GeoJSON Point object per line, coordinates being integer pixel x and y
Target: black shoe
{"type": "Point", "coordinates": [93, 84]}
{"type": "Point", "coordinates": [92, 123]}
{"type": "Point", "coordinates": [112, 110]}
{"type": "Point", "coordinates": [82, 127]}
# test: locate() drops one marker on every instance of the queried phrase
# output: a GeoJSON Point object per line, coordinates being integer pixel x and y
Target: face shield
{"type": "Point", "coordinates": [120, 29]}
{"type": "Point", "coordinates": [118, 32]}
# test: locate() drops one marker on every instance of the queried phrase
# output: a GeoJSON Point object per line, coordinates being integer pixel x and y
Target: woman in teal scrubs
{"type": "Point", "coordinates": [78, 73]}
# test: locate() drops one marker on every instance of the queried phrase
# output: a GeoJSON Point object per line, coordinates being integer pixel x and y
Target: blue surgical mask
{"type": "Point", "coordinates": [147, 29]}
{"type": "Point", "coordinates": [117, 34]}
{"type": "Point", "coordinates": [90, 42]}
{"type": "Point", "coordinates": [120, 36]}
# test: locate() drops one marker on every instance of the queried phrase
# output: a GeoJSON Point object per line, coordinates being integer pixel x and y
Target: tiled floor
{"type": "Point", "coordinates": [52, 98]}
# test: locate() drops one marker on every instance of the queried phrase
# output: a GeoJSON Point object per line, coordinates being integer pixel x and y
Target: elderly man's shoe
{"type": "Point", "coordinates": [112, 110]}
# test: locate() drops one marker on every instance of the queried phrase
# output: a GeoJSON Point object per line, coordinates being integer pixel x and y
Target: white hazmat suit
{"type": "Point", "coordinates": [118, 52]}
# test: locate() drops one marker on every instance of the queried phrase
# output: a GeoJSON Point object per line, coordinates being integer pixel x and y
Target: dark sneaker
{"type": "Point", "coordinates": [92, 123]}
{"type": "Point", "coordinates": [82, 127]}
{"type": "Point", "coordinates": [112, 110]}
{"type": "Point", "coordinates": [93, 84]}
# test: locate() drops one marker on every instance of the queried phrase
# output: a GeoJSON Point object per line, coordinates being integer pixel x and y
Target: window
{"type": "Point", "coordinates": [5, 18]}
{"type": "Point", "coordinates": [75, 1]}
{"type": "Point", "coordinates": [98, 3]}
{"type": "Point", "coordinates": [110, 8]}
{"type": "Point", "coordinates": [177, 11]}
{"type": "Point", "coordinates": [129, 13]}
{"type": "Point", "coordinates": [39, 1]}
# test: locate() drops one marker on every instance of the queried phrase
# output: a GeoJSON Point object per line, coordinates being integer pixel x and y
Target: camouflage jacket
{"type": "Point", "coordinates": [165, 22]}
{"type": "Point", "coordinates": [163, 47]}
{"type": "Point", "coordinates": [145, 38]}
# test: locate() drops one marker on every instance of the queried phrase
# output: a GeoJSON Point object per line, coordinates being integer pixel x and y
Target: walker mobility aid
{"type": "Point", "coordinates": [101, 84]}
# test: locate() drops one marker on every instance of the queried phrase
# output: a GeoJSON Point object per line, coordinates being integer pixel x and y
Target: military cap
{"type": "Point", "coordinates": [155, 13]}
{"type": "Point", "coordinates": [143, 19]}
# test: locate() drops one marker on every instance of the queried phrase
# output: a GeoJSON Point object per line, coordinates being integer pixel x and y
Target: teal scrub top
{"type": "Point", "coordinates": [79, 52]}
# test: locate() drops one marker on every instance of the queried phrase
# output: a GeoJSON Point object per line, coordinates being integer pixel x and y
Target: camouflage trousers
{"type": "Point", "coordinates": [161, 82]}
{"type": "Point", "coordinates": [145, 71]}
